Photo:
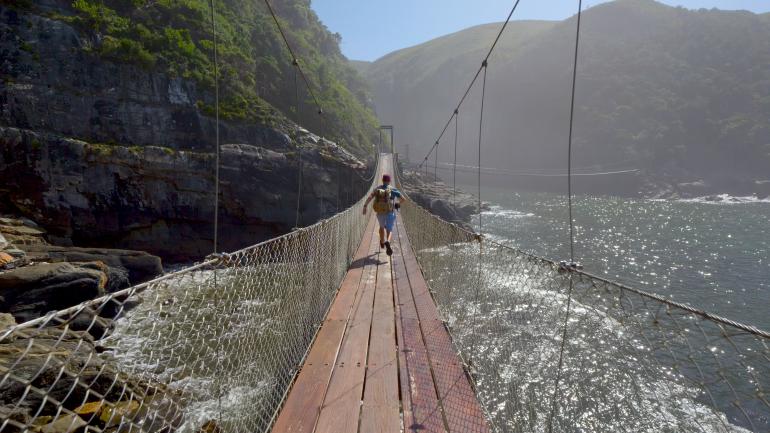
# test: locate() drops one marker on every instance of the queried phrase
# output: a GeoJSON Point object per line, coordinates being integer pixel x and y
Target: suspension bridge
{"type": "Point", "coordinates": [319, 331]}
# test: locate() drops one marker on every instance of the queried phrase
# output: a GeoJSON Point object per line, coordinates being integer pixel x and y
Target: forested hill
{"type": "Point", "coordinates": [683, 95]}
{"type": "Point", "coordinates": [257, 76]}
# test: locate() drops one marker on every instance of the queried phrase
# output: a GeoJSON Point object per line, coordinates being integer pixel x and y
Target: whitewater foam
{"type": "Point", "coordinates": [500, 212]}
{"type": "Point", "coordinates": [725, 199]}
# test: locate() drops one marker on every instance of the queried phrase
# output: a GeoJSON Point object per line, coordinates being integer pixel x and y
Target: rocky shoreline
{"type": "Point", "coordinates": [37, 277]}
{"type": "Point", "coordinates": [57, 356]}
{"type": "Point", "coordinates": [60, 365]}
{"type": "Point", "coordinates": [440, 199]}
{"type": "Point", "coordinates": [683, 187]}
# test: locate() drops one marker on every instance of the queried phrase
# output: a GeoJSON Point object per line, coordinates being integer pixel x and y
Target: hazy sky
{"type": "Point", "coordinates": [373, 28]}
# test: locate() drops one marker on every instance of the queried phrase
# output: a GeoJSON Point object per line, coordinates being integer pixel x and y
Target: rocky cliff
{"type": "Point", "coordinates": [106, 154]}
{"type": "Point", "coordinates": [435, 195]}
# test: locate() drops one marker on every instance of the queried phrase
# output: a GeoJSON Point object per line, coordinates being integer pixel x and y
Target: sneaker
{"type": "Point", "coordinates": [388, 249]}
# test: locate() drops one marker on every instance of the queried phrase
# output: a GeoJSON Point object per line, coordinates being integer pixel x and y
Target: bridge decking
{"type": "Point", "coordinates": [383, 360]}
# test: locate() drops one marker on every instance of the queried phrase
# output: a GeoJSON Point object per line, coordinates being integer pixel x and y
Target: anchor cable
{"type": "Point", "coordinates": [299, 146]}
{"type": "Point", "coordinates": [571, 266]}
{"type": "Point", "coordinates": [216, 201]}
{"type": "Point", "coordinates": [473, 81]}
{"type": "Point", "coordinates": [454, 166]}
{"type": "Point", "coordinates": [216, 111]}
{"type": "Point", "coordinates": [435, 167]}
{"type": "Point", "coordinates": [296, 60]}
{"type": "Point", "coordinates": [481, 124]}
{"type": "Point", "coordinates": [479, 273]}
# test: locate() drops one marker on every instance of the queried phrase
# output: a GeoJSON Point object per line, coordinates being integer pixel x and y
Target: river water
{"type": "Point", "coordinates": [629, 364]}
{"type": "Point", "coordinates": [713, 255]}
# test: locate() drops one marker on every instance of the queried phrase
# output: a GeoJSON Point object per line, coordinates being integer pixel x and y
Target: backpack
{"type": "Point", "coordinates": [383, 201]}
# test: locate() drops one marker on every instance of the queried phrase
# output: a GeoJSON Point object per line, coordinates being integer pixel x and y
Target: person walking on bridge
{"type": "Point", "coordinates": [385, 205]}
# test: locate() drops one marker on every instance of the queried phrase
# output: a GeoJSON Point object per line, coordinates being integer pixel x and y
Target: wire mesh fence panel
{"type": "Point", "coordinates": [213, 347]}
{"type": "Point", "coordinates": [632, 361]}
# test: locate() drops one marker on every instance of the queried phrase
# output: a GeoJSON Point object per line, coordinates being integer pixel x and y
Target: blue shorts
{"type": "Point", "coordinates": [387, 220]}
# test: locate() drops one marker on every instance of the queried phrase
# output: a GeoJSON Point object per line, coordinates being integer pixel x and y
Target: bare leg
{"type": "Point", "coordinates": [388, 249]}
{"type": "Point", "coordinates": [389, 233]}
{"type": "Point", "coordinates": [382, 235]}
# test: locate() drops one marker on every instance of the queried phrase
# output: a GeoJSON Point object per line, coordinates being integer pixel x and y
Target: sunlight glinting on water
{"type": "Point", "coordinates": [710, 254]}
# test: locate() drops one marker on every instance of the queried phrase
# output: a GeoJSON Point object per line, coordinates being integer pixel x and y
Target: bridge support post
{"type": "Point", "coordinates": [392, 139]}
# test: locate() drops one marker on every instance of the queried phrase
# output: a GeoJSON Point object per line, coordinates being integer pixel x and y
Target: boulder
{"type": "Point", "coordinates": [15, 252]}
{"type": "Point", "coordinates": [117, 276]}
{"type": "Point", "coordinates": [437, 197]}
{"type": "Point", "coordinates": [32, 291]}
{"type": "Point", "coordinates": [6, 321]}
{"type": "Point", "coordinates": [210, 426]}
{"type": "Point", "coordinates": [5, 259]}
{"type": "Point", "coordinates": [66, 365]}
{"type": "Point", "coordinates": [14, 414]}
{"type": "Point", "coordinates": [87, 321]}
{"type": "Point", "coordinates": [20, 232]}
{"type": "Point", "coordinates": [64, 424]}
{"type": "Point", "coordinates": [10, 259]}
{"type": "Point", "coordinates": [140, 266]}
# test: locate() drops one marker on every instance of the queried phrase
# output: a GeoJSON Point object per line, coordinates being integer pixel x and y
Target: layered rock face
{"type": "Point", "coordinates": [36, 277]}
{"type": "Point", "coordinates": [112, 155]}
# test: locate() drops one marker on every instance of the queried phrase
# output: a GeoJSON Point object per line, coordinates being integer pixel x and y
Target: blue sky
{"type": "Point", "coordinates": [373, 28]}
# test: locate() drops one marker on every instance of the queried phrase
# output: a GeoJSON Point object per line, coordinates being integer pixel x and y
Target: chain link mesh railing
{"type": "Point", "coordinates": [632, 361]}
{"type": "Point", "coordinates": [211, 348]}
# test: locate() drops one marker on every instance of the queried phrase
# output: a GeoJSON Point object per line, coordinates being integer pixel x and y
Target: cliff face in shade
{"type": "Point", "coordinates": [162, 201]}
{"type": "Point", "coordinates": [106, 154]}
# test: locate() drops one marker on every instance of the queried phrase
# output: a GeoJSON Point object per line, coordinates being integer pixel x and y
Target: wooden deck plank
{"type": "Point", "coordinates": [340, 309]}
{"type": "Point", "coordinates": [342, 404]}
{"type": "Point", "coordinates": [462, 411]}
{"type": "Point", "coordinates": [381, 407]}
{"type": "Point", "coordinates": [302, 407]}
{"type": "Point", "coordinates": [382, 347]}
{"type": "Point", "coordinates": [422, 411]}
{"type": "Point", "coordinates": [403, 377]}
{"type": "Point", "coordinates": [299, 413]}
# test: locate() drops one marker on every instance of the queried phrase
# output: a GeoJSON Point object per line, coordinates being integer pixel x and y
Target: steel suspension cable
{"type": "Point", "coordinates": [571, 266]}
{"type": "Point", "coordinates": [481, 125]}
{"type": "Point", "coordinates": [569, 141]}
{"type": "Point", "coordinates": [435, 166]}
{"type": "Point", "coordinates": [298, 70]}
{"type": "Point", "coordinates": [216, 111]}
{"type": "Point", "coordinates": [299, 146]}
{"type": "Point", "coordinates": [295, 59]}
{"type": "Point", "coordinates": [479, 273]}
{"type": "Point", "coordinates": [454, 166]}
{"type": "Point", "coordinates": [216, 197]}
{"type": "Point", "coordinates": [473, 81]}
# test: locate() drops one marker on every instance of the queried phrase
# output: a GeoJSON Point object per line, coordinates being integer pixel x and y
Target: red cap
{"type": "Point", "coordinates": [386, 178]}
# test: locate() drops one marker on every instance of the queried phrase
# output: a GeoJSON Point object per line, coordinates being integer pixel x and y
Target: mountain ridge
{"type": "Point", "coordinates": [678, 92]}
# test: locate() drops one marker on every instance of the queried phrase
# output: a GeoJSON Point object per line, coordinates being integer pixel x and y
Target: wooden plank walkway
{"type": "Point", "coordinates": [383, 361]}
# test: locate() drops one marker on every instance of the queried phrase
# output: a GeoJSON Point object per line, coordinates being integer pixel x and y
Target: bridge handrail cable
{"type": "Point", "coordinates": [194, 325]}
{"type": "Point", "coordinates": [682, 355]}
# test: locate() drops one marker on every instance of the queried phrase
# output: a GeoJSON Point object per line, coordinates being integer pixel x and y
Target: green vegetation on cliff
{"type": "Point", "coordinates": [256, 71]}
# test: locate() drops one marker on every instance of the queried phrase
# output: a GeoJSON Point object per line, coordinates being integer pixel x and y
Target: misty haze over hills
{"type": "Point", "coordinates": [681, 95]}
